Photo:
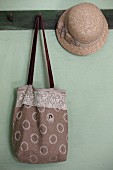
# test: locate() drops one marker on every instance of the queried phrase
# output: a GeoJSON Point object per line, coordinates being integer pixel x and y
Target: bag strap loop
{"type": "Point", "coordinates": [39, 22]}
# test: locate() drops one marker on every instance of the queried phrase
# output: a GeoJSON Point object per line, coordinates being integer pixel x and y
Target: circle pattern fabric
{"type": "Point", "coordinates": [40, 134]}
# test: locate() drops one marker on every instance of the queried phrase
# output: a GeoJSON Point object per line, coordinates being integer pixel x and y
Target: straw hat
{"type": "Point", "coordinates": [82, 29]}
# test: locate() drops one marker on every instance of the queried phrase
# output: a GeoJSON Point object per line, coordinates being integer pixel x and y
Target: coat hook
{"type": "Point", "coordinates": [10, 17]}
{"type": "Point", "coordinates": [39, 14]}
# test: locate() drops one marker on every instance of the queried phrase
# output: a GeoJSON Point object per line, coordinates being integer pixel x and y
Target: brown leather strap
{"type": "Point", "coordinates": [47, 54]}
{"type": "Point", "coordinates": [38, 21]}
{"type": "Point", "coordinates": [33, 52]}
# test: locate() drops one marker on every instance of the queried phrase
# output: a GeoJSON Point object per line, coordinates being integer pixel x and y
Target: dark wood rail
{"type": "Point", "coordinates": [22, 20]}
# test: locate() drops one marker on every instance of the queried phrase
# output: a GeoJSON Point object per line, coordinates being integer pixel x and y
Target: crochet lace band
{"type": "Point", "coordinates": [50, 98]}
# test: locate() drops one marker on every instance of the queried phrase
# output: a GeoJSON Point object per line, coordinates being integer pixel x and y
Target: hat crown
{"type": "Point", "coordinates": [85, 22]}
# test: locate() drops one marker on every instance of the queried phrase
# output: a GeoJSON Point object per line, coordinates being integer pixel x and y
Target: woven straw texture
{"type": "Point", "coordinates": [82, 29]}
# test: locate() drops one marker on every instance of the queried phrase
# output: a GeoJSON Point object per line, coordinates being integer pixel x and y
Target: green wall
{"type": "Point", "coordinates": [88, 81]}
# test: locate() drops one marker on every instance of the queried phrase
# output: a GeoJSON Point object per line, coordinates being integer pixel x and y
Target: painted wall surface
{"type": "Point", "coordinates": [88, 81]}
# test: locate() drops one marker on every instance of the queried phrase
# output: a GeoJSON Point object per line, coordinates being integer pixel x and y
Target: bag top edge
{"type": "Point", "coordinates": [40, 89]}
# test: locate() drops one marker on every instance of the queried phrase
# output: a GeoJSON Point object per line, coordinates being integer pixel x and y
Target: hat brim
{"type": "Point", "coordinates": [82, 50]}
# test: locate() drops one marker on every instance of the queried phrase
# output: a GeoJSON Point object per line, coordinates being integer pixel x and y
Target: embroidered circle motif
{"type": "Point", "coordinates": [34, 138]}
{"type": "Point", "coordinates": [50, 117]}
{"type": "Point", "coordinates": [26, 124]}
{"type": "Point", "coordinates": [60, 128]}
{"type": "Point", "coordinates": [19, 115]}
{"type": "Point", "coordinates": [33, 159]}
{"type": "Point", "coordinates": [43, 129]}
{"type": "Point", "coordinates": [62, 149]}
{"type": "Point", "coordinates": [27, 106]}
{"type": "Point", "coordinates": [65, 117]}
{"type": "Point", "coordinates": [34, 116]}
{"type": "Point", "coordinates": [24, 146]}
{"type": "Point", "coordinates": [53, 158]}
{"type": "Point", "coordinates": [17, 135]}
{"type": "Point", "coordinates": [53, 139]}
{"type": "Point", "coordinates": [41, 109]}
{"type": "Point", "coordinates": [44, 150]}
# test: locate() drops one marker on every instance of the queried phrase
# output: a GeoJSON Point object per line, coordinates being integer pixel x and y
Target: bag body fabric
{"type": "Point", "coordinates": [40, 124]}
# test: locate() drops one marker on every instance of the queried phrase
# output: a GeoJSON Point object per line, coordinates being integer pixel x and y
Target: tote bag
{"type": "Point", "coordinates": [40, 121]}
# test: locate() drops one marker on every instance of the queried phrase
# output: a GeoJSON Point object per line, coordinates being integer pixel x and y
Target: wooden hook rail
{"type": "Point", "coordinates": [23, 20]}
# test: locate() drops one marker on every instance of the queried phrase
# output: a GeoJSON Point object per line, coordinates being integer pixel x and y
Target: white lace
{"type": "Point", "coordinates": [50, 98]}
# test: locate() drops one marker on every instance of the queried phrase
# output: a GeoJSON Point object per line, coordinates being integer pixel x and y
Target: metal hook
{"type": "Point", "coordinates": [10, 17]}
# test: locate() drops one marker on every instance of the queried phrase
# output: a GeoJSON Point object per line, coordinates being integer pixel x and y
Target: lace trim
{"type": "Point", "coordinates": [50, 98]}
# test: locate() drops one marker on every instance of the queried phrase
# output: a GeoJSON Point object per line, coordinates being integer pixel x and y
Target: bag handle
{"type": "Point", "coordinates": [38, 21]}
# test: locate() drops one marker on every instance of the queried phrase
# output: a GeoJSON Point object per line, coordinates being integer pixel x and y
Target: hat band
{"type": "Point", "coordinates": [65, 34]}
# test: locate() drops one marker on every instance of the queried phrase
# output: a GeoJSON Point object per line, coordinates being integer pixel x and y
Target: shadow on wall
{"type": "Point", "coordinates": [11, 122]}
